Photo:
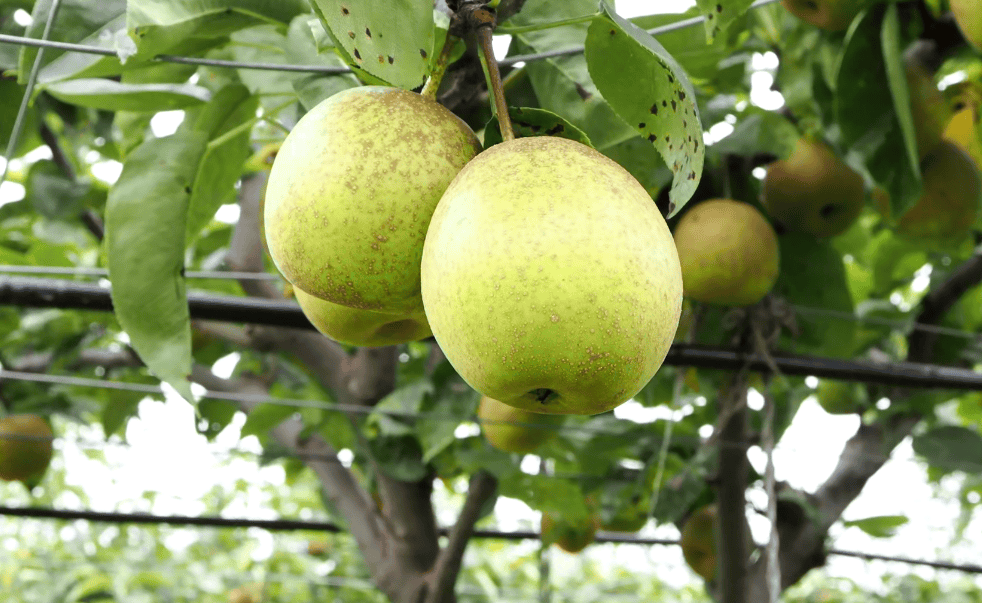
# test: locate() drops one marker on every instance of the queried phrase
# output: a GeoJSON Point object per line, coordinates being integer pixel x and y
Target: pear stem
{"type": "Point", "coordinates": [433, 82]}
{"type": "Point", "coordinates": [494, 77]}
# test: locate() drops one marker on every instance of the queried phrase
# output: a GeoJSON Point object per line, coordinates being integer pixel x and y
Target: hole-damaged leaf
{"type": "Point", "coordinates": [390, 40]}
{"type": "Point", "coordinates": [146, 214]}
{"type": "Point", "coordinates": [720, 13]}
{"type": "Point", "coordinates": [651, 92]}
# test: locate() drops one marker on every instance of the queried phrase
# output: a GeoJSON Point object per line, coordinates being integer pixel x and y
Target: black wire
{"type": "Point", "coordinates": [279, 525]}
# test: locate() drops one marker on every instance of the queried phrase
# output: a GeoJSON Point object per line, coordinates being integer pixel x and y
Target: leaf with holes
{"type": "Point", "coordinates": [145, 253]}
{"type": "Point", "coordinates": [651, 92]}
{"type": "Point", "coordinates": [392, 41]}
{"type": "Point", "coordinates": [534, 122]}
{"type": "Point", "coordinates": [720, 13]}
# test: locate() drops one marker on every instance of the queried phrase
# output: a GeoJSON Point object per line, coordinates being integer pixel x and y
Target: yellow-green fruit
{"type": "Point", "coordinates": [928, 108]}
{"type": "Point", "coordinates": [832, 15]}
{"type": "Point", "coordinates": [968, 15]}
{"type": "Point", "coordinates": [25, 447]}
{"type": "Point", "coordinates": [514, 430]}
{"type": "Point", "coordinates": [570, 536]}
{"type": "Point", "coordinates": [242, 595]}
{"type": "Point", "coordinates": [949, 204]}
{"type": "Point", "coordinates": [550, 279]}
{"type": "Point", "coordinates": [963, 130]}
{"type": "Point", "coordinates": [361, 327]}
{"type": "Point", "coordinates": [630, 519]}
{"type": "Point", "coordinates": [352, 190]}
{"type": "Point", "coordinates": [813, 191]}
{"type": "Point", "coordinates": [698, 541]}
{"type": "Point", "coordinates": [728, 251]}
{"type": "Point", "coordinates": [837, 397]}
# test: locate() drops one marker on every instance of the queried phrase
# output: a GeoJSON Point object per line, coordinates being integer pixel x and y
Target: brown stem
{"type": "Point", "coordinates": [482, 488]}
{"type": "Point", "coordinates": [494, 79]}
{"type": "Point", "coordinates": [433, 82]}
{"type": "Point", "coordinates": [731, 537]}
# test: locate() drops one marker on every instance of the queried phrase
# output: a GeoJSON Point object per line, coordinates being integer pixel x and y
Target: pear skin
{"type": "Point", "coordinates": [556, 288]}
{"type": "Point", "coordinates": [968, 16]}
{"type": "Point", "coordinates": [831, 15]}
{"type": "Point", "coordinates": [838, 397]}
{"type": "Point", "coordinates": [352, 190]}
{"type": "Point", "coordinates": [514, 430]}
{"type": "Point", "coordinates": [964, 129]}
{"type": "Point", "coordinates": [25, 447]}
{"type": "Point", "coordinates": [928, 108]}
{"type": "Point", "coordinates": [698, 541]}
{"type": "Point", "coordinates": [569, 536]}
{"type": "Point", "coordinates": [364, 328]}
{"type": "Point", "coordinates": [728, 251]}
{"type": "Point", "coordinates": [813, 191]}
{"type": "Point", "coordinates": [949, 205]}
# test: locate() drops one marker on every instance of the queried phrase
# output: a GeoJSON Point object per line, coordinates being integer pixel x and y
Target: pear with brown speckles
{"type": "Point", "coordinates": [550, 279]}
{"type": "Point", "coordinates": [352, 190]}
{"type": "Point", "coordinates": [365, 328]}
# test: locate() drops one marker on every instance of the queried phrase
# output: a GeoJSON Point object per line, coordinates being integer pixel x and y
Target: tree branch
{"type": "Point", "coordinates": [347, 495]}
{"type": "Point", "coordinates": [481, 489]}
{"type": "Point", "coordinates": [802, 544]}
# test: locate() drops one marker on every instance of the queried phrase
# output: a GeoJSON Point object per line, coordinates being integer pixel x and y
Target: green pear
{"type": "Point", "coordinates": [832, 15]}
{"type": "Point", "coordinates": [352, 190]}
{"type": "Point", "coordinates": [550, 279]}
{"type": "Point", "coordinates": [365, 328]}
{"type": "Point", "coordinates": [728, 251]}
{"type": "Point", "coordinates": [813, 191]}
{"type": "Point", "coordinates": [571, 536]}
{"type": "Point", "coordinates": [928, 108]}
{"type": "Point", "coordinates": [698, 541]}
{"type": "Point", "coordinates": [964, 128]}
{"type": "Point", "coordinates": [838, 397]}
{"type": "Point", "coordinates": [949, 204]}
{"type": "Point", "coordinates": [968, 15]}
{"type": "Point", "coordinates": [514, 430]}
{"type": "Point", "coordinates": [25, 447]}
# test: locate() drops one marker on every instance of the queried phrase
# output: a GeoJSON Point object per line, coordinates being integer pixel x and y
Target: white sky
{"type": "Point", "coordinates": [190, 468]}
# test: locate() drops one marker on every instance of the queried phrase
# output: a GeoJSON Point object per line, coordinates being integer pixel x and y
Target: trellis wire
{"type": "Point", "coordinates": [283, 525]}
{"type": "Point", "coordinates": [60, 293]}
{"type": "Point", "coordinates": [322, 69]}
{"type": "Point", "coordinates": [26, 100]}
{"type": "Point", "coordinates": [82, 271]}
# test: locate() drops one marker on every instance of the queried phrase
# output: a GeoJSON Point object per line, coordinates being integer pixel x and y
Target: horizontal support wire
{"type": "Point", "coordinates": [276, 525]}
{"type": "Point", "coordinates": [59, 293]}
{"type": "Point", "coordinates": [83, 271]}
{"type": "Point", "coordinates": [322, 69]}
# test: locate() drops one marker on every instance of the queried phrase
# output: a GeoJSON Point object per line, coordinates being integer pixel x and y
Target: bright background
{"type": "Point", "coordinates": [164, 454]}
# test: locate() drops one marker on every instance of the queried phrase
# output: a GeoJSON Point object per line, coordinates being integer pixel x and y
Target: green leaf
{"type": "Point", "coordinates": [813, 279]}
{"type": "Point", "coordinates": [897, 80]}
{"type": "Point", "coordinates": [661, 105]}
{"type": "Point", "coordinates": [189, 27]}
{"type": "Point", "coordinates": [687, 45]}
{"type": "Point", "coordinates": [146, 216]}
{"type": "Point", "coordinates": [78, 21]}
{"type": "Point", "coordinates": [562, 84]}
{"type": "Point", "coordinates": [864, 110]}
{"type": "Point", "coordinates": [765, 132]}
{"type": "Point", "coordinates": [951, 448]}
{"type": "Point", "coordinates": [534, 122]}
{"type": "Point", "coordinates": [265, 417]}
{"type": "Point", "coordinates": [392, 41]}
{"type": "Point", "coordinates": [225, 122]}
{"type": "Point", "coordinates": [400, 458]}
{"type": "Point", "coordinates": [116, 96]}
{"type": "Point", "coordinates": [720, 13]}
{"type": "Point", "coordinates": [117, 411]}
{"type": "Point", "coordinates": [882, 526]}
